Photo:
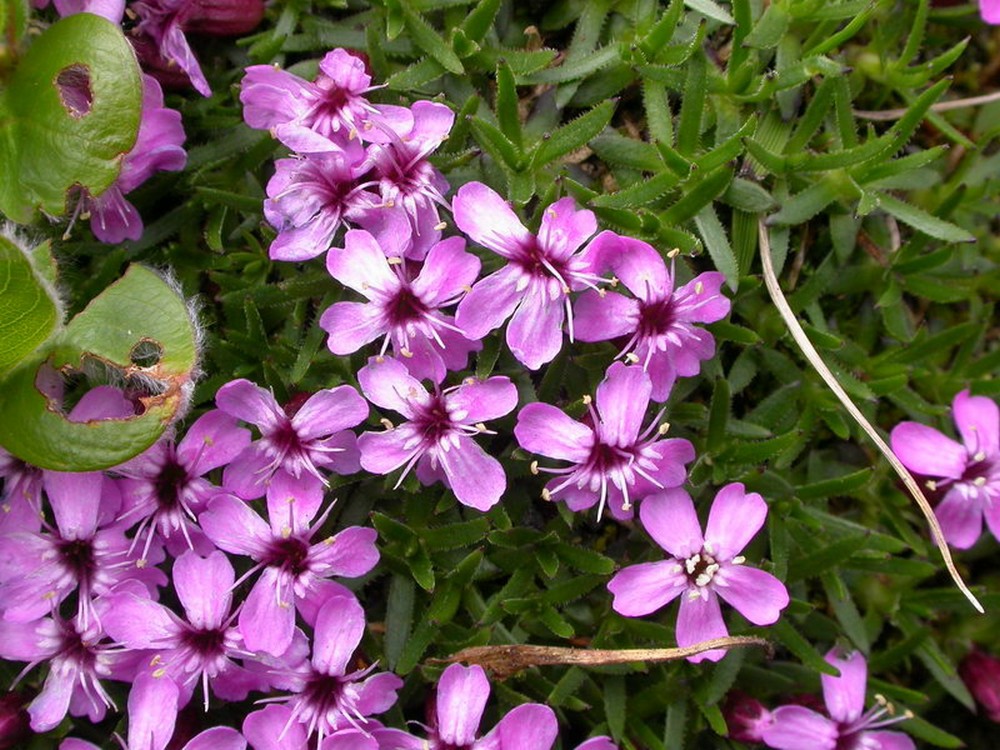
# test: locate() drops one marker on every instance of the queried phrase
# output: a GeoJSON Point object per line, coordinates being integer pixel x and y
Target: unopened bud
{"type": "Point", "coordinates": [745, 717]}
{"type": "Point", "coordinates": [981, 673]}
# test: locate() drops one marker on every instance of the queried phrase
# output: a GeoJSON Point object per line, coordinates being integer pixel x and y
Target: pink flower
{"type": "Point", "coordinates": [164, 488]}
{"type": "Point", "coordinates": [311, 117]}
{"type": "Point", "coordinates": [292, 565]}
{"type": "Point", "coordinates": [328, 697]}
{"type": "Point", "coordinates": [199, 649]}
{"type": "Point", "coordinates": [312, 196]}
{"type": "Point", "coordinates": [849, 725]}
{"type": "Point", "coordinates": [613, 462]}
{"type": "Point", "coordinates": [981, 673]}
{"type": "Point", "coordinates": [990, 11]}
{"type": "Point", "coordinates": [462, 694]}
{"type": "Point", "coordinates": [746, 717]}
{"type": "Point", "coordinates": [20, 495]}
{"type": "Point", "coordinates": [315, 437]}
{"type": "Point", "coordinates": [403, 307]}
{"type": "Point", "coordinates": [702, 568]}
{"type": "Point", "coordinates": [158, 148]}
{"type": "Point", "coordinates": [968, 472]}
{"type": "Point", "coordinates": [660, 320]}
{"type": "Point", "coordinates": [437, 439]}
{"type": "Point", "coordinates": [533, 288]}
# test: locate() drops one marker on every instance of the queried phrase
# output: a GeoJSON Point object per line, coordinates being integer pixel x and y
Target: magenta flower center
{"type": "Point", "coordinates": [405, 307]}
{"type": "Point", "coordinates": [434, 421]}
{"type": "Point", "coordinates": [290, 554]}
{"type": "Point", "coordinates": [700, 569]}
{"type": "Point", "coordinates": [656, 317]}
{"type": "Point", "coordinates": [207, 643]}
{"type": "Point", "coordinates": [78, 556]}
{"type": "Point", "coordinates": [169, 484]}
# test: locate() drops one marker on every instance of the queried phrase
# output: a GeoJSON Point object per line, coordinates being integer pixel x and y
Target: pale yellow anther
{"type": "Point", "coordinates": [674, 253]}
{"type": "Point", "coordinates": [587, 399]}
{"type": "Point", "coordinates": [626, 505]}
{"type": "Point", "coordinates": [352, 134]}
{"type": "Point", "coordinates": [980, 456]}
{"type": "Point", "coordinates": [379, 359]}
{"type": "Point", "coordinates": [155, 660]}
{"type": "Point", "coordinates": [290, 499]}
{"type": "Point", "coordinates": [738, 560]}
{"type": "Point", "coordinates": [406, 353]}
{"type": "Point", "coordinates": [613, 281]}
{"type": "Point", "coordinates": [158, 673]}
{"type": "Point", "coordinates": [481, 426]}
{"type": "Point", "coordinates": [141, 563]}
{"type": "Point", "coordinates": [394, 261]}
{"type": "Point", "coordinates": [328, 541]}
{"type": "Point", "coordinates": [699, 288]}
{"type": "Point", "coordinates": [208, 441]}
{"type": "Point", "coordinates": [466, 288]}
{"type": "Point", "coordinates": [979, 481]}
{"type": "Point", "coordinates": [534, 468]}
{"type": "Point", "coordinates": [49, 595]}
{"type": "Point", "coordinates": [631, 358]}
{"type": "Point", "coordinates": [663, 429]}
{"type": "Point", "coordinates": [602, 293]}
{"type": "Point", "coordinates": [6, 508]}
{"type": "Point", "coordinates": [386, 423]}
{"type": "Point", "coordinates": [389, 204]}
{"type": "Point", "coordinates": [546, 495]}
{"type": "Point", "coordinates": [286, 531]}
{"type": "Point", "coordinates": [441, 226]}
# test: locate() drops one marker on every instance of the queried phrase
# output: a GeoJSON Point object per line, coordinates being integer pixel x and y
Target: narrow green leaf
{"type": "Point", "coordinates": [425, 37]}
{"type": "Point", "coordinates": [710, 9]}
{"type": "Point", "coordinates": [692, 106]}
{"type": "Point", "coordinates": [495, 143]}
{"type": "Point", "coordinates": [791, 639]}
{"type": "Point", "coordinates": [574, 134]}
{"type": "Point", "coordinates": [398, 617]}
{"type": "Point", "coordinates": [615, 706]}
{"type": "Point", "coordinates": [480, 19]}
{"type": "Point", "coordinates": [506, 105]}
{"type": "Point", "coordinates": [769, 30]}
{"type": "Point", "coordinates": [717, 244]}
{"type": "Point", "coordinates": [923, 221]}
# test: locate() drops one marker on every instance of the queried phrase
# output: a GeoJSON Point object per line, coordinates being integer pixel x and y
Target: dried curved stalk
{"type": "Point", "coordinates": [505, 661]}
{"type": "Point", "coordinates": [895, 114]}
{"type": "Point", "coordinates": [814, 359]}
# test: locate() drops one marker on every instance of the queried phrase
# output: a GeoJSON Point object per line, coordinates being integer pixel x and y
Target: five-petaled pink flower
{"type": "Point", "coordinates": [533, 288]}
{"type": "Point", "coordinates": [462, 693]}
{"type": "Point", "coordinates": [703, 568]}
{"type": "Point", "coordinates": [614, 461]}
{"type": "Point", "coordinates": [659, 321]}
{"type": "Point", "coordinates": [403, 307]}
{"type": "Point", "coordinates": [437, 438]}
{"type": "Point", "coordinates": [849, 726]}
{"type": "Point", "coordinates": [968, 473]}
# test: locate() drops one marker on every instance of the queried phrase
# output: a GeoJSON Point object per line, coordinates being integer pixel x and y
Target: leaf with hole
{"type": "Point", "coordinates": [69, 114]}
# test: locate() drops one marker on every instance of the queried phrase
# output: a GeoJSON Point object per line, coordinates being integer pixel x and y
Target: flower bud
{"type": "Point", "coordinates": [14, 721]}
{"type": "Point", "coordinates": [745, 717]}
{"type": "Point", "coordinates": [223, 17]}
{"type": "Point", "coordinates": [981, 674]}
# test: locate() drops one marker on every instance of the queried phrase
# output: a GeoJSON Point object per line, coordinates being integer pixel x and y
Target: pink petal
{"type": "Point", "coordinates": [799, 728]}
{"type": "Point", "coordinates": [661, 371]}
{"type": "Point", "coordinates": [755, 594]}
{"type": "Point", "coordinates": [535, 333]}
{"type": "Point", "coordinates": [978, 421]}
{"type": "Point", "coordinates": [234, 527]}
{"type": "Point", "coordinates": [670, 472]}
{"type": "Point", "coordinates": [644, 588]}
{"type": "Point", "coordinates": [330, 411]}
{"type": "Point", "coordinates": [599, 317]}
{"type": "Point", "coordinates": [203, 586]}
{"type": "Point", "coordinates": [271, 96]}
{"type": "Point", "coordinates": [432, 121]}
{"type": "Point", "coordinates": [250, 403]}
{"type": "Point", "coordinates": [482, 400]}
{"type": "Point", "coordinates": [462, 693]}
{"type": "Point", "coordinates": [362, 266]}
{"type": "Point", "coordinates": [477, 479]}
{"type": "Point", "coordinates": [113, 219]}
{"type": "Point", "coordinates": [546, 430]}
{"type": "Point", "coordinates": [352, 325]}
{"type": "Point", "coordinates": [212, 441]}
{"type": "Point", "coordinates": [267, 623]}
{"type": "Point", "coordinates": [990, 11]}
{"type": "Point", "coordinates": [622, 398]}
{"type": "Point", "coordinates": [926, 451]}
{"type": "Point", "coordinates": [75, 501]}
{"type": "Point", "coordinates": [489, 220]}
{"type": "Point", "coordinates": [349, 739]}
{"type": "Point", "coordinates": [351, 553]}
{"type": "Point", "coordinates": [152, 712]}
{"type": "Point", "coordinates": [669, 517]}
{"type": "Point", "coordinates": [273, 729]}
{"type": "Point", "coordinates": [384, 452]}
{"type": "Point", "coordinates": [50, 706]}
{"type": "Point", "coordinates": [892, 740]}
{"type": "Point", "coordinates": [491, 301]}
{"type": "Point", "coordinates": [249, 473]}
{"type": "Point", "coordinates": [845, 695]}
{"type": "Point", "coordinates": [446, 272]}
{"type": "Point", "coordinates": [735, 518]}
{"type": "Point", "coordinates": [378, 693]}
{"type": "Point", "coordinates": [306, 241]}
{"type": "Point", "coordinates": [217, 738]}
{"type": "Point", "coordinates": [598, 743]}
{"type": "Point", "coordinates": [339, 627]}
{"type": "Point", "coordinates": [642, 269]}
{"type": "Point", "coordinates": [530, 726]}
{"type": "Point", "coordinates": [565, 228]}
{"type": "Point", "coordinates": [291, 505]}
{"type": "Point", "coordinates": [705, 306]}
{"type": "Point", "coordinates": [174, 47]}
{"type": "Point", "coordinates": [961, 519]}
{"type": "Point", "coordinates": [388, 384]}
{"type": "Point", "coordinates": [138, 622]}
{"type": "Point", "coordinates": [700, 619]}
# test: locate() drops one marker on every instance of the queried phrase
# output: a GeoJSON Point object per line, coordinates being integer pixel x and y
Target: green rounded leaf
{"type": "Point", "coordinates": [68, 116]}
{"type": "Point", "coordinates": [139, 328]}
{"type": "Point", "coordinates": [29, 308]}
